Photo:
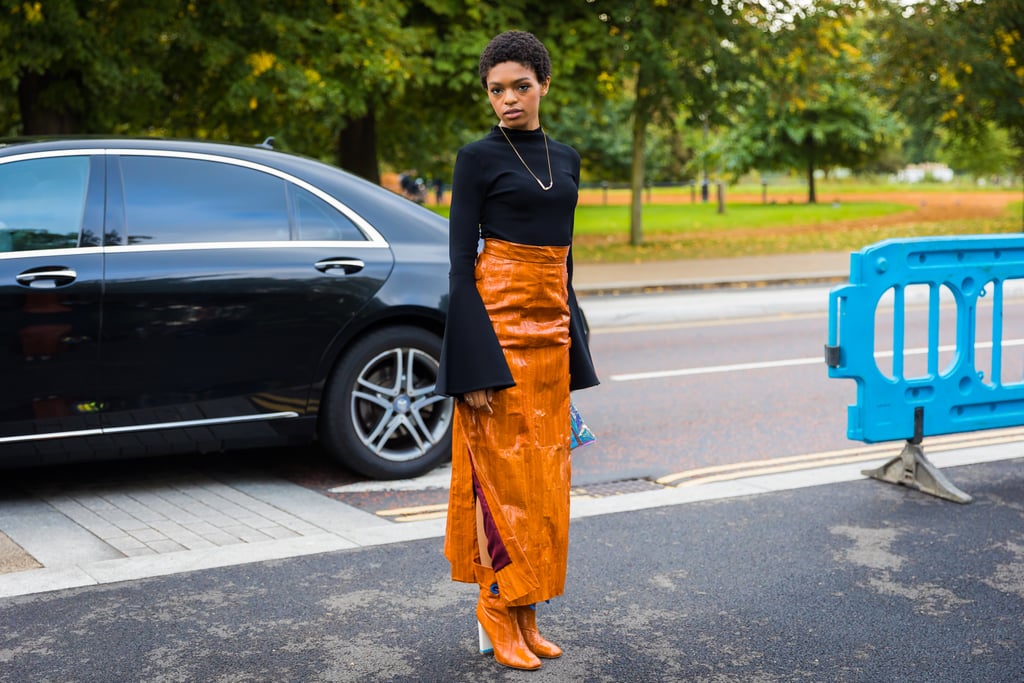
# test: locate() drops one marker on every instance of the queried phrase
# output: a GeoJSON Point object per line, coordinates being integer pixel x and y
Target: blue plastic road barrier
{"type": "Point", "coordinates": [956, 398]}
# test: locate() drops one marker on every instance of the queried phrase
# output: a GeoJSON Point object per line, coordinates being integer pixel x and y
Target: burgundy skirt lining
{"type": "Point", "coordinates": [495, 546]}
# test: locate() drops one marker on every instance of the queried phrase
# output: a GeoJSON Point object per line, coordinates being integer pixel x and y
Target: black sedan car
{"type": "Point", "coordinates": [163, 296]}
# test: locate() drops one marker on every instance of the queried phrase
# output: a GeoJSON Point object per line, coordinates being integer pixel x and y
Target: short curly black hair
{"type": "Point", "coordinates": [515, 46]}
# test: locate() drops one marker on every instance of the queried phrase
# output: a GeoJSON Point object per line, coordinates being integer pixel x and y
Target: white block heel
{"type": "Point", "coordinates": [485, 642]}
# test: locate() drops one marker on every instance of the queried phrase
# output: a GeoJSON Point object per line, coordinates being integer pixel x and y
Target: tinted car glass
{"type": "Point", "coordinates": [318, 220]}
{"type": "Point", "coordinates": [41, 203]}
{"type": "Point", "coordinates": [173, 200]}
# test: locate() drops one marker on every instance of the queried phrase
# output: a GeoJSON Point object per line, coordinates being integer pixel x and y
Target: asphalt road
{"type": "Point", "coordinates": [711, 392]}
{"type": "Point", "coordinates": [750, 580]}
{"type": "Point", "coordinates": [851, 582]}
{"type": "Point", "coordinates": [698, 379]}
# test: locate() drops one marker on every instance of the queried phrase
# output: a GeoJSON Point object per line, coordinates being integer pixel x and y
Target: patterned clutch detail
{"type": "Point", "coordinates": [581, 434]}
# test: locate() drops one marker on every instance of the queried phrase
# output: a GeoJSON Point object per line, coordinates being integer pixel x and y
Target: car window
{"type": "Point", "coordinates": [42, 202]}
{"type": "Point", "coordinates": [170, 200]}
{"type": "Point", "coordinates": [318, 220]}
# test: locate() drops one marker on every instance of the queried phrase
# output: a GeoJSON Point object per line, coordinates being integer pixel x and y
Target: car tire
{"type": "Point", "coordinates": [381, 417]}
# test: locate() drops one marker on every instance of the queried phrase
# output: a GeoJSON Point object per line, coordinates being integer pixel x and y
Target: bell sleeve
{"type": "Point", "coordinates": [471, 356]}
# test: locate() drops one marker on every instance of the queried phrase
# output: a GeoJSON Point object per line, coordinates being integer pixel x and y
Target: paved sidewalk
{"type": "Point", "coordinates": [777, 579]}
{"type": "Point", "coordinates": [109, 529]}
{"type": "Point", "coordinates": [106, 528]}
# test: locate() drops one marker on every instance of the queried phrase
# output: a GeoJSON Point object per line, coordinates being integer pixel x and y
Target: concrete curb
{"type": "Point", "coordinates": [744, 282]}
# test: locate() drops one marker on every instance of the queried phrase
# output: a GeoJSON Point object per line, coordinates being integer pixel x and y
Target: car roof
{"type": "Point", "coordinates": [259, 153]}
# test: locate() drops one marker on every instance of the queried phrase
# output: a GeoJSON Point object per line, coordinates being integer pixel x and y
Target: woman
{"type": "Point", "coordinates": [514, 347]}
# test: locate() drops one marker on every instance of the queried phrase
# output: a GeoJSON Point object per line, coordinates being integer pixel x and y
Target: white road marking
{"type": "Point", "coordinates": [789, 362]}
{"type": "Point", "coordinates": [712, 369]}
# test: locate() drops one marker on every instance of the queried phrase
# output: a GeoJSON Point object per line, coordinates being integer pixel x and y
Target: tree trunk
{"type": "Point", "coordinates": [357, 147]}
{"type": "Point", "coordinates": [38, 119]}
{"type": "Point", "coordinates": [636, 213]}
{"type": "Point", "coordinates": [812, 197]}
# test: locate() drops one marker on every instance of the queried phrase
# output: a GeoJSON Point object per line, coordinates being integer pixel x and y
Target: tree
{"type": "Point", "coordinates": [675, 59]}
{"type": "Point", "coordinates": [812, 106]}
{"type": "Point", "coordinates": [443, 105]}
{"type": "Point", "coordinates": [69, 67]}
{"type": "Point", "coordinates": [987, 153]}
{"type": "Point", "coordinates": [967, 70]}
{"type": "Point", "coordinates": [310, 74]}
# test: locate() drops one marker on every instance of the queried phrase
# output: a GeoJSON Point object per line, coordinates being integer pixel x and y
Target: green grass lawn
{"type": "Point", "coordinates": [689, 231]}
{"type": "Point", "coordinates": [696, 218]}
{"type": "Point", "coordinates": [691, 218]}
{"type": "Point", "coordinates": [728, 244]}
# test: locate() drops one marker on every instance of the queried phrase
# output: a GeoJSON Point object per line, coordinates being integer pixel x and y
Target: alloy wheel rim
{"type": "Point", "coordinates": [395, 411]}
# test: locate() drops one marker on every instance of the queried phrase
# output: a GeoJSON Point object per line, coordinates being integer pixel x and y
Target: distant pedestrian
{"type": "Point", "coordinates": [514, 346]}
{"type": "Point", "coordinates": [412, 186]}
{"type": "Point", "coordinates": [438, 191]}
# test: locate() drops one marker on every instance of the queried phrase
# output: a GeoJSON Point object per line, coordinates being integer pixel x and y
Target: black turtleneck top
{"type": "Point", "coordinates": [494, 195]}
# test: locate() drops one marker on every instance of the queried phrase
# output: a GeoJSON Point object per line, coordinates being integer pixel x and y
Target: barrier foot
{"type": "Point", "coordinates": [912, 469]}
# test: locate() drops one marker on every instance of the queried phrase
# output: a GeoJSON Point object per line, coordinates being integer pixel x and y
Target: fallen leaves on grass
{"type": "Point", "coordinates": [766, 241]}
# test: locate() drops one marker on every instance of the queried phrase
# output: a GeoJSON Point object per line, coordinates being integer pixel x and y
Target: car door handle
{"type": "Point", "coordinates": [349, 265]}
{"type": "Point", "coordinates": [47, 277]}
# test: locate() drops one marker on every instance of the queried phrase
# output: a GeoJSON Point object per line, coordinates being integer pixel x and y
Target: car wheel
{"type": "Point", "coordinates": [381, 416]}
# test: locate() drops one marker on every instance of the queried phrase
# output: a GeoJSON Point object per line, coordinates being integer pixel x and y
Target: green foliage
{"type": "Point", "coordinates": [294, 70]}
{"type": "Point", "coordinates": [672, 60]}
{"type": "Point", "coordinates": [777, 84]}
{"type": "Point", "coordinates": [967, 70]}
{"type": "Point", "coordinates": [988, 152]}
{"type": "Point", "coordinates": [235, 70]}
{"type": "Point", "coordinates": [64, 65]}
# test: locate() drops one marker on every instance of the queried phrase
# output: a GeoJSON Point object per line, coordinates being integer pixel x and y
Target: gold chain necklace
{"type": "Point", "coordinates": [551, 177]}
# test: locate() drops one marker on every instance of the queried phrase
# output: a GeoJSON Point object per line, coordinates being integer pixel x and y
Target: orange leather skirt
{"type": "Point", "coordinates": [520, 453]}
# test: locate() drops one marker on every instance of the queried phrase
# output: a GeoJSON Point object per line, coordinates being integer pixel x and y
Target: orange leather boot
{"type": "Point", "coordinates": [500, 625]}
{"type": "Point", "coordinates": [538, 644]}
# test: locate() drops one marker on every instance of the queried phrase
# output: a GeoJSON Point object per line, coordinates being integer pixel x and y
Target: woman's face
{"type": "Point", "coordinates": [515, 95]}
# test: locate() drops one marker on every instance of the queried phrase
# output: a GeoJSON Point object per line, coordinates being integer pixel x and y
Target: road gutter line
{"type": "Point", "coordinates": [868, 452]}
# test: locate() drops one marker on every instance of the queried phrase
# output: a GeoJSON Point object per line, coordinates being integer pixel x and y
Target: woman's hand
{"type": "Point", "coordinates": [479, 400]}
